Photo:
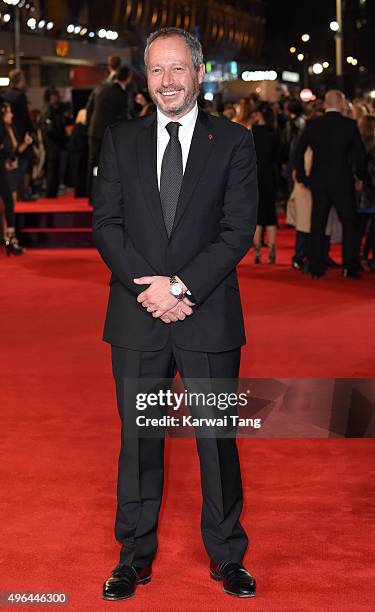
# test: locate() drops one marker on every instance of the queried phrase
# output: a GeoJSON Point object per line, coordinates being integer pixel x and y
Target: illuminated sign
{"type": "Point", "coordinates": [62, 48]}
{"type": "Point", "coordinates": [259, 75]}
{"type": "Point", "coordinates": [291, 77]}
{"type": "Point", "coordinates": [307, 95]}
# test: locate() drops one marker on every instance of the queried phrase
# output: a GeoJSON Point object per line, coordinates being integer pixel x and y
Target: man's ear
{"type": "Point", "coordinates": [201, 73]}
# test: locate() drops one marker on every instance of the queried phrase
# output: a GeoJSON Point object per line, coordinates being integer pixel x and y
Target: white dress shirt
{"type": "Point", "coordinates": [185, 134]}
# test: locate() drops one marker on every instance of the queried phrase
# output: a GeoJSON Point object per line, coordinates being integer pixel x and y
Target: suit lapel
{"type": "Point", "coordinates": [147, 151]}
{"type": "Point", "coordinates": [200, 150]}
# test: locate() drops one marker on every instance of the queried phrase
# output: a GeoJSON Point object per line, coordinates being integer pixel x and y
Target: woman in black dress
{"type": "Point", "coordinates": [11, 149]}
{"type": "Point", "coordinates": [267, 147]}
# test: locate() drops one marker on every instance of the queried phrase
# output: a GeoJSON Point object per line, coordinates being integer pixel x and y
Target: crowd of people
{"type": "Point", "coordinates": [316, 162]}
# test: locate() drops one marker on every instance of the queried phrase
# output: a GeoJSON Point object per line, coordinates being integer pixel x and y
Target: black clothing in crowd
{"type": "Point", "coordinates": [367, 209]}
{"type": "Point", "coordinates": [290, 132]}
{"type": "Point", "coordinates": [78, 151]}
{"type": "Point", "coordinates": [109, 105]}
{"type": "Point", "coordinates": [338, 154]}
{"type": "Point", "coordinates": [56, 140]}
{"type": "Point", "coordinates": [16, 97]}
{"type": "Point", "coordinates": [267, 147]}
{"type": "Point", "coordinates": [21, 117]}
{"type": "Point", "coordinates": [5, 191]}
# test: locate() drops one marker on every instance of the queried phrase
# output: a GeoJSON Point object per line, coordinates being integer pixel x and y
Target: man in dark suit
{"type": "Point", "coordinates": [338, 157]}
{"type": "Point", "coordinates": [111, 104]}
{"type": "Point", "coordinates": [175, 208]}
{"type": "Point", "coordinates": [113, 66]}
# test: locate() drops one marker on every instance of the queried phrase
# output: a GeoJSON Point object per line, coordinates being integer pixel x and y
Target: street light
{"type": "Point", "coordinates": [300, 57]}
{"type": "Point", "coordinates": [305, 37]}
{"type": "Point", "coordinates": [339, 45]}
{"type": "Point", "coordinates": [317, 68]}
{"type": "Point", "coordinates": [325, 64]}
{"type": "Point", "coordinates": [334, 26]}
{"type": "Point", "coordinates": [292, 49]}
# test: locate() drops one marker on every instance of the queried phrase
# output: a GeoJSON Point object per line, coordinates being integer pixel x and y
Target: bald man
{"type": "Point", "coordinates": [338, 158]}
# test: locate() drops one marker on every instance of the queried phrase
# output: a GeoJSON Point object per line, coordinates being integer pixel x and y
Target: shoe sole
{"type": "Point", "coordinates": [219, 579]}
{"type": "Point", "coordinates": [117, 598]}
{"type": "Point", "coordinates": [237, 595]}
{"type": "Point", "coordinates": [143, 581]}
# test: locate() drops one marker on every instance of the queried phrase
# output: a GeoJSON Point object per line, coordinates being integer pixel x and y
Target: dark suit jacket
{"type": "Point", "coordinates": [110, 105]}
{"type": "Point", "coordinates": [21, 118]}
{"type": "Point", "coordinates": [213, 229]}
{"type": "Point", "coordinates": [338, 153]}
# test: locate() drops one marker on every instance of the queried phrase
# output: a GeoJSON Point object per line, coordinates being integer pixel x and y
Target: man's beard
{"type": "Point", "coordinates": [186, 103]}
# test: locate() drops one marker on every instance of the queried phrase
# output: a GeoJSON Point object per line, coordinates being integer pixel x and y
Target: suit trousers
{"type": "Point", "coordinates": [344, 202]}
{"type": "Point", "coordinates": [141, 462]}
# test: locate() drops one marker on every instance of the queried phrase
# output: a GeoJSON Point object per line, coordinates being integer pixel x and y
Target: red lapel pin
{"type": "Point", "coordinates": [210, 136]}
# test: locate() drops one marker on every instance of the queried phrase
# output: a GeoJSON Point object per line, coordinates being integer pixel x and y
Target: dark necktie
{"type": "Point", "coordinates": [171, 176]}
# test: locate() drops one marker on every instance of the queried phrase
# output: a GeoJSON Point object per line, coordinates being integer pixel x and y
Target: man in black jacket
{"type": "Point", "coordinates": [338, 157]}
{"type": "Point", "coordinates": [113, 66]}
{"type": "Point", "coordinates": [175, 208]}
{"type": "Point", "coordinates": [111, 104]}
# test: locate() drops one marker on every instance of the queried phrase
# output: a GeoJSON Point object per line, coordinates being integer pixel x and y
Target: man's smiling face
{"type": "Point", "coordinates": [172, 80]}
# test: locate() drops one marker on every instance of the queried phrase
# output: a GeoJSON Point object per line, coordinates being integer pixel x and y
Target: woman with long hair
{"type": "Point", "coordinates": [143, 104]}
{"type": "Point", "coordinates": [244, 111]}
{"type": "Point", "coordinates": [11, 149]}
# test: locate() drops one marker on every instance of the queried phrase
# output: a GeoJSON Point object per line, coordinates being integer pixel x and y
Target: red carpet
{"type": "Point", "coordinates": [66, 203]}
{"type": "Point", "coordinates": [309, 505]}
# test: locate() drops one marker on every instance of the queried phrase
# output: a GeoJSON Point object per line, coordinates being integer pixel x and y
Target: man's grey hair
{"type": "Point", "coordinates": [191, 41]}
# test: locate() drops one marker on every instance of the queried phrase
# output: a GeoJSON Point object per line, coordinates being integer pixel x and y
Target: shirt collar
{"type": "Point", "coordinates": [332, 109]}
{"type": "Point", "coordinates": [187, 121]}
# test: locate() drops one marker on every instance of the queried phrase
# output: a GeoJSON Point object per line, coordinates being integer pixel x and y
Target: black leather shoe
{"type": "Point", "coordinates": [347, 273]}
{"type": "Point", "coordinates": [297, 265]}
{"type": "Point", "coordinates": [123, 581]}
{"type": "Point", "coordinates": [237, 581]}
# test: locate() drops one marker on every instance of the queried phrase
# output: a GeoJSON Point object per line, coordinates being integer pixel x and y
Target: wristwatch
{"type": "Point", "coordinates": [176, 289]}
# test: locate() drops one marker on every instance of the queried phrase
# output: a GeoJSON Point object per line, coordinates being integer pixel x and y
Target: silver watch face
{"type": "Point", "coordinates": [176, 289]}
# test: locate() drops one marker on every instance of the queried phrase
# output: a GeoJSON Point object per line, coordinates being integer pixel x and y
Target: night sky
{"type": "Point", "coordinates": [287, 20]}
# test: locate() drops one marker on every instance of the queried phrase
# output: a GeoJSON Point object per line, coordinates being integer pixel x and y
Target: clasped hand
{"type": "Point", "coordinates": [159, 302]}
